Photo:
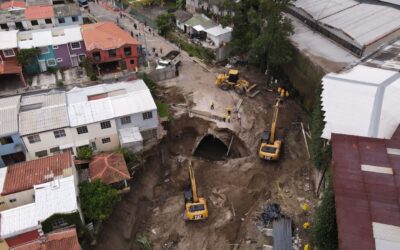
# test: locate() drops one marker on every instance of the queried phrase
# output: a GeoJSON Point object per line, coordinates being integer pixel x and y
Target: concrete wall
{"type": "Point", "coordinates": [23, 198]}
{"type": "Point", "coordinates": [68, 21]}
{"type": "Point", "coordinates": [219, 40]}
{"type": "Point", "coordinates": [138, 121]}
{"type": "Point", "coordinates": [119, 56]}
{"type": "Point", "coordinates": [41, 24]}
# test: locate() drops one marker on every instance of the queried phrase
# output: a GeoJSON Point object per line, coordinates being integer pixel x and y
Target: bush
{"type": "Point", "coordinates": [152, 85]}
{"type": "Point", "coordinates": [325, 228]}
{"type": "Point", "coordinates": [84, 153]}
{"type": "Point", "coordinates": [163, 109]}
{"type": "Point", "coordinates": [143, 242]}
{"type": "Point", "coordinates": [97, 200]}
{"type": "Point", "coordinates": [60, 83]}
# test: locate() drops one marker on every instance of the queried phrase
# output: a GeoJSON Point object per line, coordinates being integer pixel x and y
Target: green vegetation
{"type": "Point", "coordinates": [151, 85]}
{"type": "Point", "coordinates": [68, 219]}
{"type": "Point", "coordinates": [27, 58]}
{"type": "Point", "coordinates": [97, 200]}
{"type": "Point", "coordinates": [84, 153]}
{"type": "Point", "coordinates": [325, 228]}
{"type": "Point", "coordinates": [87, 64]}
{"type": "Point", "coordinates": [165, 23]}
{"type": "Point", "coordinates": [143, 241]}
{"type": "Point", "coordinates": [163, 108]}
{"type": "Point", "coordinates": [130, 157]}
{"type": "Point", "coordinates": [193, 50]}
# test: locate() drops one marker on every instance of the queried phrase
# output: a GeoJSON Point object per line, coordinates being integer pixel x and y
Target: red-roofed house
{"type": "Point", "coordinates": [21, 177]}
{"type": "Point", "coordinates": [66, 239]}
{"type": "Point", "coordinates": [12, 5]}
{"type": "Point", "coordinates": [366, 182]}
{"type": "Point", "coordinates": [39, 16]}
{"type": "Point", "coordinates": [109, 47]}
{"type": "Point", "coordinates": [111, 169]}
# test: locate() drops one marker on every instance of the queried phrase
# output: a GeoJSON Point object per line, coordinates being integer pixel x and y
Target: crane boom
{"type": "Point", "coordinates": [274, 120]}
{"type": "Point", "coordinates": [193, 183]}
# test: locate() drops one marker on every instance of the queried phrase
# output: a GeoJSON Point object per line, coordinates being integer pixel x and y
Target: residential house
{"type": "Point", "coordinates": [39, 17]}
{"type": "Point", "coordinates": [109, 47]}
{"type": "Point", "coordinates": [12, 5]}
{"type": "Point", "coordinates": [213, 7]}
{"type": "Point", "coordinates": [38, 2]}
{"type": "Point", "coordinates": [367, 189]}
{"type": "Point", "coordinates": [20, 178]}
{"type": "Point", "coordinates": [63, 239]}
{"type": "Point", "coordinates": [58, 196]}
{"type": "Point", "coordinates": [111, 169]}
{"type": "Point", "coordinates": [197, 25]}
{"type": "Point", "coordinates": [218, 39]}
{"type": "Point", "coordinates": [67, 14]}
{"type": "Point", "coordinates": [108, 116]}
{"type": "Point", "coordinates": [10, 72]}
{"type": "Point", "coordinates": [181, 17]}
{"type": "Point", "coordinates": [12, 19]}
{"type": "Point", "coordinates": [12, 149]}
{"type": "Point", "coordinates": [68, 46]}
{"type": "Point", "coordinates": [44, 124]}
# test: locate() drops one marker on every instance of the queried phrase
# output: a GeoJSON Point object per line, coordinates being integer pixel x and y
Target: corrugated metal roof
{"type": "Point", "coordinates": [202, 20]}
{"type": "Point", "coordinates": [9, 115]}
{"type": "Point", "coordinates": [361, 102]}
{"type": "Point", "coordinates": [42, 112]}
{"type": "Point", "coordinates": [134, 98]}
{"type": "Point", "coordinates": [58, 196]}
{"type": "Point", "coordinates": [363, 197]}
{"type": "Point", "coordinates": [8, 39]}
{"type": "Point", "coordinates": [364, 22]}
{"type": "Point", "coordinates": [218, 30]}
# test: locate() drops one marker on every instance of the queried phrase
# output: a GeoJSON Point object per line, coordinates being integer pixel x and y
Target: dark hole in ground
{"type": "Point", "coordinates": [211, 148]}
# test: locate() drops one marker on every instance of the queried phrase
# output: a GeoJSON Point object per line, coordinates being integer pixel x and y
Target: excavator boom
{"type": "Point", "coordinates": [274, 121]}
{"type": "Point", "coordinates": [193, 183]}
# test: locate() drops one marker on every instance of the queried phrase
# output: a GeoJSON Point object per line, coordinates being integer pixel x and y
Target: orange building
{"type": "Point", "coordinates": [110, 48]}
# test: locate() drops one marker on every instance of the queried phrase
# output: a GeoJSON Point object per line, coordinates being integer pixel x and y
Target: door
{"type": "Point", "coordinates": [43, 66]}
{"type": "Point", "coordinates": [74, 61]}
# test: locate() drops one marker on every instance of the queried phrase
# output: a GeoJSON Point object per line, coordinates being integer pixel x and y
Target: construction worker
{"type": "Point", "coordinates": [307, 247]}
{"type": "Point", "coordinates": [212, 106]}
{"type": "Point", "coordinates": [306, 225]}
{"type": "Point", "coordinates": [305, 207]}
{"type": "Point", "coordinates": [229, 110]}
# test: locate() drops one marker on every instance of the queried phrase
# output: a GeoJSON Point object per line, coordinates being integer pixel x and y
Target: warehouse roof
{"type": "Point", "coordinates": [43, 112]}
{"type": "Point", "coordinates": [361, 102]}
{"type": "Point", "coordinates": [366, 182]}
{"type": "Point", "coordinates": [363, 22]}
{"type": "Point", "coordinates": [57, 196]}
{"type": "Point", "coordinates": [9, 115]}
{"type": "Point", "coordinates": [106, 101]}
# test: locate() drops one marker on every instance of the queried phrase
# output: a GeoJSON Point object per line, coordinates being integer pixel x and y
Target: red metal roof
{"type": "Point", "coordinates": [39, 12]}
{"type": "Point", "coordinates": [23, 238]}
{"type": "Point", "coordinates": [109, 167]}
{"type": "Point", "coordinates": [65, 239]}
{"type": "Point", "coordinates": [363, 197]}
{"type": "Point", "coordinates": [9, 4]}
{"type": "Point", "coordinates": [24, 175]}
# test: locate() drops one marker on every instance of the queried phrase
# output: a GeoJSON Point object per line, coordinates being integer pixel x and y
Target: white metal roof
{"type": "Point", "coordinates": [130, 135]}
{"type": "Point", "coordinates": [9, 115]}
{"type": "Point", "coordinates": [46, 37]}
{"type": "Point", "coordinates": [58, 196]}
{"type": "Point", "coordinates": [361, 101]}
{"type": "Point", "coordinates": [42, 112]}
{"type": "Point", "coordinates": [364, 22]}
{"type": "Point", "coordinates": [120, 99]}
{"type": "Point", "coordinates": [8, 39]}
{"type": "Point", "coordinates": [198, 27]}
{"type": "Point", "coordinates": [218, 30]}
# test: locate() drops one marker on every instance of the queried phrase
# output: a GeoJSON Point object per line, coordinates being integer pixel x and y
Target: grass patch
{"type": "Point", "coordinates": [163, 109]}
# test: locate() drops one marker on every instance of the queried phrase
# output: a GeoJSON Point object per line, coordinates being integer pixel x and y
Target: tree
{"type": "Point", "coordinates": [325, 228]}
{"type": "Point", "coordinates": [165, 22]}
{"type": "Point", "coordinates": [181, 4]}
{"type": "Point", "coordinates": [84, 153]}
{"type": "Point", "coordinates": [27, 56]}
{"type": "Point", "coordinates": [97, 200]}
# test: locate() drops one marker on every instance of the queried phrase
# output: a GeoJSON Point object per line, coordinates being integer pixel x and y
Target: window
{"type": "Point", "coordinates": [55, 46]}
{"type": "Point", "coordinates": [51, 62]}
{"type": "Point", "coordinates": [4, 26]}
{"type": "Point", "coordinates": [13, 200]}
{"type": "Point", "coordinates": [105, 125]}
{"type": "Point", "coordinates": [33, 138]}
{"type": "Point", "coordinates": [55, 150]}
{"type": "Point", "coordinates": [132, 61]}
{"type": "Point", "coordinates": [34, 23]}
{"type": "Point", "coordinates": [126, 120]}
{"type": "Point", "coordinates": [127, 51]}
{"type": "Point", "coordinates": [106, 140]}
{"type": "Point", "coordinates": [96, 56]}
{"type": "Point", "coordinates": [48, 21]}
{"type": "Point", "coordinates": [147, 115]}
{"type": "Point", "coordinates": [41, 153]}
{"type": "Point", "coordinates": [19, 26]}
{"type": "Point", "coordinates": [8, 53]}
{"type": "Point", "coordinates": [76, 45]}
{"type": "Point", "coordinates": [61, 20]}
{"type": "Point", "coordinates": [6, 140]}
{"type": "Point", "coordinates": [59, 133]}
{"type": "Point", "coordinates": [112, 53]}
{"type": "Point", "coordinates": [82, 57]}
{"type": "Point", "coordinates": [59, 60]}
{"type": "Point", "coordinates": [44, 50]}
{"type": "Point", "coordinates": [74, 19]}
{"type": "Point", "coordinates": [58, 223]}
{"type": "Point", "coordinates": [82, 130]}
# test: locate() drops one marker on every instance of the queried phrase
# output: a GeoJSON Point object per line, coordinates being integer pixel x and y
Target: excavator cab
{"type": "Point", "coordinates": [195, 207]}
{"type": "Point", "coordinates": [233, 75]}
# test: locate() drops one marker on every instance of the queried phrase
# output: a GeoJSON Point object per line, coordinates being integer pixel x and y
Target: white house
{"type": "Point", "coordinates": [219, 35]}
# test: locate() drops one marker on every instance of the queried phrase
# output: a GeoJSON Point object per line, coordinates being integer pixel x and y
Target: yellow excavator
{"type": "Point", "coordinates": [270, 148]}
{"type": "Point", "coordinates": [232, 81]}
{"type": "Point", "coordinates": [195, 207]}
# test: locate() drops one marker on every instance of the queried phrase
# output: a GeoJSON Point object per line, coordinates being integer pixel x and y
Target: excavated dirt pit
{"type": "Point", "coordinates": [211, 148]}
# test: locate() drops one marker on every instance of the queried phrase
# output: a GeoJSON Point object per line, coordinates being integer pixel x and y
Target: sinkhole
{"type": "Point", "coordinates": [211, 148]}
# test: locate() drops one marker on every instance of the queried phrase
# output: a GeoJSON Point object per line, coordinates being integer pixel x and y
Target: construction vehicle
{"type": "Point", "coordinates": [270, 148]}
{"type": "Point", "coordinates": [195, 207]}
{"type": "Point", "coordinates": [232, 81]}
